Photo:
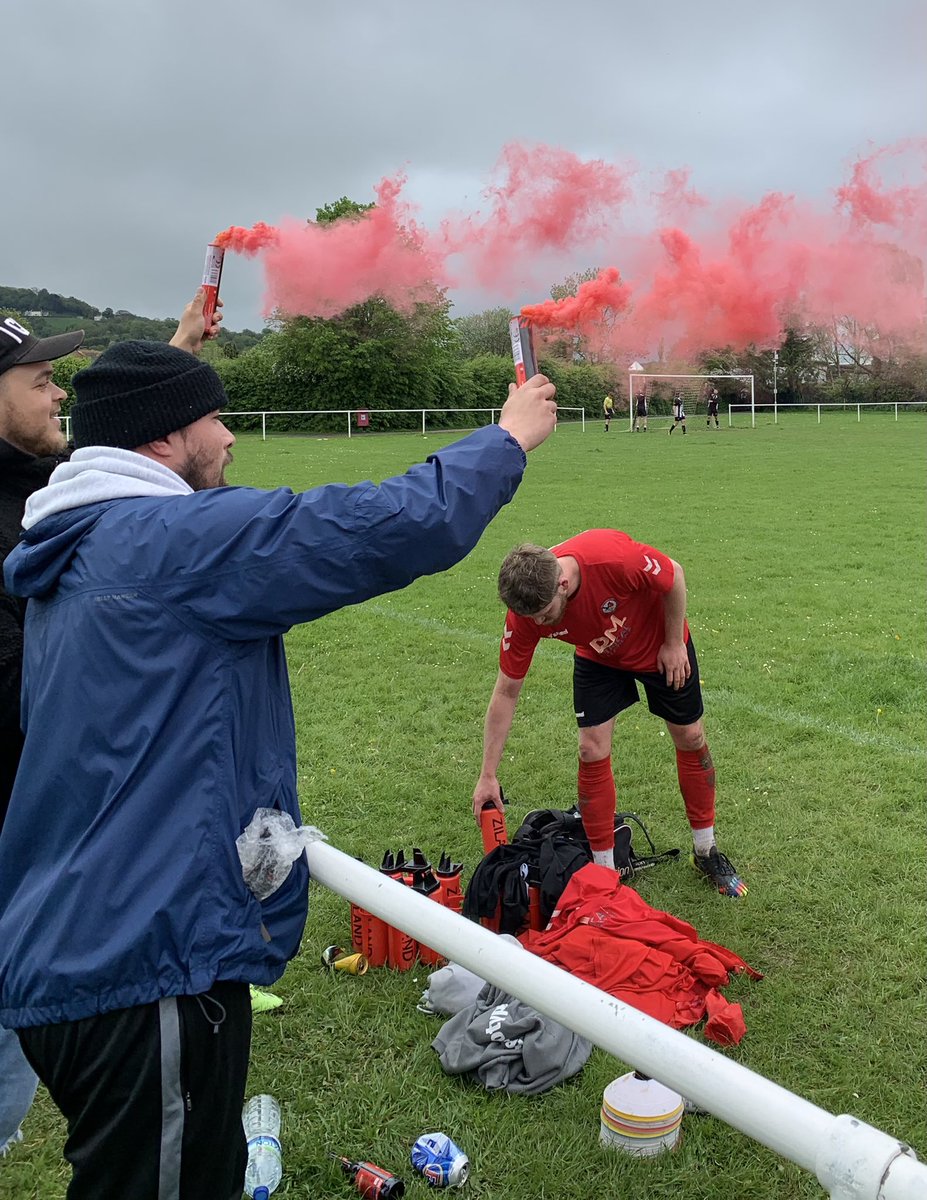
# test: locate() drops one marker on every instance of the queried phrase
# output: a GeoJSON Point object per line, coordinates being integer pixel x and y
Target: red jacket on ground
{"type": "Point", "coordinates": [605, 934]}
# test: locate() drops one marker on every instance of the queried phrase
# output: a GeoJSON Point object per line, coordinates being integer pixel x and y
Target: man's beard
{"type": "Point", "coordinates": [26, 437]}
{"type": "Point", "coordinates": [201, 473]}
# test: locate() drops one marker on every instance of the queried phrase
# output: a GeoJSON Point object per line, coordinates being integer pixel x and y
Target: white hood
{"type": "Point", "coordinates": [97, 473]}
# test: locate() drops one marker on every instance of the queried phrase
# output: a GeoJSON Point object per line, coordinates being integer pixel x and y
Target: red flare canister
{"type": "Point", "coordinates": [522, 349]}
{"type": "Point", "coordinates": [372, 1181]}
{"type": "Point", "coordinates": [535, 921]}
{"type": "Point", "coordinates": [212, 274]}
{"type": "Point", "coordinates": [492, 827]}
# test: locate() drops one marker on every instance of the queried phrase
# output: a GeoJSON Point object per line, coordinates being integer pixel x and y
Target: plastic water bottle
{"type": "Point", "coordinates": [261, 1119]}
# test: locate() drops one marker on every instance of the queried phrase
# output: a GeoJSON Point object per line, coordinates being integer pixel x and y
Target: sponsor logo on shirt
{"type": "Point", "coordinates": [612, 637]}
{"type": "Point", "coordinates": [506, 638]}
{"type": "Point", "coordinates": [609, 606]}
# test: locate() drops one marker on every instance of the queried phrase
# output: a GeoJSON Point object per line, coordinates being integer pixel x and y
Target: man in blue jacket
{"type": "Point", "coordinates": [158, 601]}
{"type": "Point", "coordinates": [32, 443]}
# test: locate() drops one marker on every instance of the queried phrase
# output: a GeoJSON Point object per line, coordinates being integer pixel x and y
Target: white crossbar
{"type": "Point", "coordinates": [852, 1160]}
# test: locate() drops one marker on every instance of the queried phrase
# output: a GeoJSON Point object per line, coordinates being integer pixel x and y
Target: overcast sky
{"type": "Point", "coordinates": [134, 130]}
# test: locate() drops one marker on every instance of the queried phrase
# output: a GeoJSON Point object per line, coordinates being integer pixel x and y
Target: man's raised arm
{"type": "Point", "coordinates": [496, 728]}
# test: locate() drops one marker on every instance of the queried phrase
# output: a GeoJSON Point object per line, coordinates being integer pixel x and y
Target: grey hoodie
{"type": "Point", "coordinates": [504, 1044]}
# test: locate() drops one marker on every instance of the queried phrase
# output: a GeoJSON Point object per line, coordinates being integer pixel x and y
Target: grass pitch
{"type": "Point", "coordinates": [804, 551]}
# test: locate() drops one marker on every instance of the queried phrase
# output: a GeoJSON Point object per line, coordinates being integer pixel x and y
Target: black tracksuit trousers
{"type": "Point", "coordinates": [152, 1096]}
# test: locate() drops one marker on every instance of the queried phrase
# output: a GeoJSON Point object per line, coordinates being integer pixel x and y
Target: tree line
{"type": "Point", "coordinates": [374, 357]}
{"type": "Point", "coordinates": [102, 327]}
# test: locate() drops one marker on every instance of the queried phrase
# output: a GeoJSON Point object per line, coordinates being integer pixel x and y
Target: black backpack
{"type": "Point", "coordinates": [553, 822]}
{"type": "Point", "coordinates": [546, 851]}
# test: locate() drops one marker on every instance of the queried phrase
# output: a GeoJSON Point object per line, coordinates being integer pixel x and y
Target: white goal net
{"type": "Point", "coordinates": [652, 396]}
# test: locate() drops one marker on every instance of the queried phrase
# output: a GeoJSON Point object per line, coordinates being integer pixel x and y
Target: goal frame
{"type": "Point", "coordinates": [708, 375]}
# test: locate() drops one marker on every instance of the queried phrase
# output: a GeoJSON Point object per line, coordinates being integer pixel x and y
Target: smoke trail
{"type": "Point", "coordinates": [692, 274]}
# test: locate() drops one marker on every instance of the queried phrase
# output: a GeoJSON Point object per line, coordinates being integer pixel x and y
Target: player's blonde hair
{"type": "Point", "coordinates": [528, 579]}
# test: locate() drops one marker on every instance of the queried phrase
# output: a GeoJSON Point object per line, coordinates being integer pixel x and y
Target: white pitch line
{"type": "Point", "coordinates": [788, 716]}
{"type": "Point", "coordinates": [431, 623]}
{"type": "Point", "coordinates": [720, 697]}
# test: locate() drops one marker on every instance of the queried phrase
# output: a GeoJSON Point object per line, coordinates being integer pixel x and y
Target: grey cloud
{"type": "Point", "coordinates": [134, 132]}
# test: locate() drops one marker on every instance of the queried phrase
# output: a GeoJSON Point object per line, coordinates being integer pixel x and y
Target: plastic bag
{"type": "Point", "coordinates": [269, 847]}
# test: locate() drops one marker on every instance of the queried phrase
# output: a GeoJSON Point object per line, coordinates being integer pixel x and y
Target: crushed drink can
{"type": "Point", "coordinates": [441, 1162]}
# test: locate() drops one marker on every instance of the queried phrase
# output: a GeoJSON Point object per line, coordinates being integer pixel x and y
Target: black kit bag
{"type": "Point", "coordinates": [549, 847]}
{"type": "Point", "coordinates": [629, 859]}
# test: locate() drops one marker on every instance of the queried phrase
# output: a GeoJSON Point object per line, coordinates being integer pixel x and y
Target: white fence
{"type": "Point", "coordinates": [352, 425]}
{"type": "Point", "coordinates": [801, 409]}
{"type": "Point", "coordinates": [852, 1160]}
{"type": "Point", "coordinates": [354, 422]}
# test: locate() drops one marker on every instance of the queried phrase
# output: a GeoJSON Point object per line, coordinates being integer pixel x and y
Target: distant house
{"type": "Point", "coordinates": [34, 312]}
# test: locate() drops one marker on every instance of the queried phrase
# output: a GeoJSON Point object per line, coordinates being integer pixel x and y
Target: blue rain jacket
{"type": "Point", "coordinates": [158, 717]}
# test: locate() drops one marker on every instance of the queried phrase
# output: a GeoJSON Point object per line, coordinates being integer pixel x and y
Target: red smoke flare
{"type": "Point", "coordinates": [247, 241]}
{"type": "Point", "coordinates": [704, 275]}
{"type": "Point", "coordinates": [592, 299]}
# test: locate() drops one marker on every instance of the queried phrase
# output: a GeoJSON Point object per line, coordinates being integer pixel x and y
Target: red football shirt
{"type": "Point", "coordinates": [616, 615]}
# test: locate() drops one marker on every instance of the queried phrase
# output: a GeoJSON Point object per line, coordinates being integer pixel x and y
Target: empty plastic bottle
{"type": "Point", "coordinates": [261, 1119]}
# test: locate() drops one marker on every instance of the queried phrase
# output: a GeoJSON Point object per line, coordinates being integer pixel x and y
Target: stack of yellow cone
{"type": "Point", "coordinates": [640, 1116]}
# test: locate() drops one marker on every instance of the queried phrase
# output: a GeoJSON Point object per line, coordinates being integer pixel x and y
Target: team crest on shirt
{"type": "Point", "coordinates": [609, 606]}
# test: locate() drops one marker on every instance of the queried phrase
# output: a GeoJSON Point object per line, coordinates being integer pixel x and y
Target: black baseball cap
{"type": "Point", "coordinates": [18, 346]}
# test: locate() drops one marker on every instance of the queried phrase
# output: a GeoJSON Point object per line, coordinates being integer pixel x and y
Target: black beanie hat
{"type": "Point", "coordinates": [137, 392]}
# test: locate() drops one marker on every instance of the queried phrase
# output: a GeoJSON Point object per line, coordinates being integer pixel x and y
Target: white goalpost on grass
{"type": "Point", "coordinates": [691, 387]}
{"type": "Point", "coordinates": [851, 1160]}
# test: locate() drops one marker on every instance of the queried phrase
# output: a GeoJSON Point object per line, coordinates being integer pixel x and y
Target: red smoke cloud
{"type": "Point", "coordinates": [678, 200]}
{"type": "Point", "coordinates": [549, 202]}
{"type": "Point", "coordinates": [247, 241]}
{"type": "Point", "coordinates": [870, 202]}
{"type": "Point", "coordinates": [320, 270]}
{"type": "Point", "coordinates": [719, 275]}
{"type": "Point", "coordinates": [605, 293]}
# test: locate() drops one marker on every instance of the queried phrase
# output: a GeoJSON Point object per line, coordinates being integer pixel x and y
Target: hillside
{"type": "Point", "coordinates": [46, 313]}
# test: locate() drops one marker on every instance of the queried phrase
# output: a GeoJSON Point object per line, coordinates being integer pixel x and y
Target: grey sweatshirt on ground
{"type": "Point", "coordinates": [504, 1044]}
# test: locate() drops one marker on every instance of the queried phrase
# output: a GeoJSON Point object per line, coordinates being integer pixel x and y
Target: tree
{"type": "Point", "coordinates": [17, 317]}
{"type": "Point", "coordinates": [797, 367]}
{"type": "Point", "coordinates": [370, 355]}
{"type": "Point", "coordinates": [486, 332]}
{"type": "Point", "coordinates": [792, 368]}
{"type": "Point", "coordinates": [63, 371]}
{"type": "Point", "coordinates": [573, 346]}
{"type": "Point", "coordinates": [570, 285]}
{"type": "Point", "coordinates": [339, 209]}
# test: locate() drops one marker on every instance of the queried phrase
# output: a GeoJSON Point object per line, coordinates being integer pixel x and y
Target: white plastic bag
{"type": "Point", "coordinates": [269, 847]}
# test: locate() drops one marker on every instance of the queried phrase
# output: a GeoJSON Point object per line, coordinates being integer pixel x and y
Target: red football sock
{"type": "Point", "coordinates": [597, 802]}
{"type": "Point", "coordinates": [696, 774]}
